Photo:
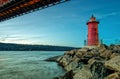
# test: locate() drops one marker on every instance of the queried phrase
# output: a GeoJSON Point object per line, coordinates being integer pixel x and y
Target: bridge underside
{"type": "Point", "coordinates": [17, 8]}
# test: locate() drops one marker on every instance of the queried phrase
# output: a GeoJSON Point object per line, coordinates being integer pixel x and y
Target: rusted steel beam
{"type": "Point", "coordinates": [17, 8]}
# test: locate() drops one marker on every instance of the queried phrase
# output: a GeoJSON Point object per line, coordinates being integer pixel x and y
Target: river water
{"type": "Point", "coordinates": [29, 65]}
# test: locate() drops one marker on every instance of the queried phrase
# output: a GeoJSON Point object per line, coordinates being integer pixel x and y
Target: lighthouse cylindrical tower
{"type": "Point", "coordinates": [93, 39]}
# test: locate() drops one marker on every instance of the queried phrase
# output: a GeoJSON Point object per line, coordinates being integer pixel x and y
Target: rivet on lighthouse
{"type": "Point", "coordinates": [92, 37]}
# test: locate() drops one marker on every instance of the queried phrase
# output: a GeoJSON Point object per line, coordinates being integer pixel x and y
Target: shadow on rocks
{"type": "Point", "coordinates": [68, 75]}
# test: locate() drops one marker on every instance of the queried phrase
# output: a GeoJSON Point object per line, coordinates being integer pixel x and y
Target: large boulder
{"type": "Point", "coordinates": [113, 64]}
{"type": "Point", "coordinates": [76, 59]}
{"type": "Point", "coordinates": [91, 61]}
{"type": "Point", "coordinates": [102, 48]}
{"type": "Point", "coordinates": [95, 52]}
{"type": "Point", "coordinates": [115, 75]}
{"type": "Point", "coordinates": [83, 54]}
{"type": "Point", "coordinates": [84, 73]}
{"type": "Point", "coordinates": [71, 66]}
{"type": "Point", "coordinates": [80, 54]}
{"type": "Point", "coordinates": [106, 54]}
{"type": "Point", "coordinates": [59, 58]}
{"type": "Point", "coordinates": [114, 55]}
{"type": "Point", "coordinates": [71, 53]}
{"type": "Point", "coordinates": [98, 69]}
{"type": "Point", "coordinates": [68, 75]}
{"type": "Point", "coordinates": [64, 60]}
{"type": "Point", "coordinates": [115, 48]}
{"type": "Point", "coordinates": [83, 50]}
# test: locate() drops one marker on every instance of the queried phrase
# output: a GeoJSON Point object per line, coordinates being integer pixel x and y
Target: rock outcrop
{"type": "Point", "coordinates": [113, 64]}
{"type": "Point", "coordinates": [115, 75]}
{"type": "Point", "coordinates": [84, 73]}
{"type": "Point", "coordinates": [52, 59]}
{"type": "Point", "coordinates": [102, 62]}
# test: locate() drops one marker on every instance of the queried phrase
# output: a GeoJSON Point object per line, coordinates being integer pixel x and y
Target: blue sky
{"type": "Point", "coordinates": [64, 24]}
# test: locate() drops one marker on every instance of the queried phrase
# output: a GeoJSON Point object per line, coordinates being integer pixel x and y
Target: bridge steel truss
{"type": "Point", "coordinates": [17, 8]}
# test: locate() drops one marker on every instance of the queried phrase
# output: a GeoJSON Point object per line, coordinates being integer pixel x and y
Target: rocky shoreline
{"type": "Point", "coordinates": [102, 62]}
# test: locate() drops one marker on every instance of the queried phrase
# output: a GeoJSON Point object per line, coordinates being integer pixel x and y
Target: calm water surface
{"type": "Point", "coordinates": [28, 65]}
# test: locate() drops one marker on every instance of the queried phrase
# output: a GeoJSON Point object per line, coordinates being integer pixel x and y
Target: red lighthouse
{"type": "Point", "coordinates": [93, 39]}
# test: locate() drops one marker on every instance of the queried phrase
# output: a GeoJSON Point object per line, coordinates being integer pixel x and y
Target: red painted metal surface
{"type": "Point", "coordinates": [93, 39]}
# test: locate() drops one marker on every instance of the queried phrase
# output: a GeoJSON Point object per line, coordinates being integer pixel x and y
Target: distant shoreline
{"type": "Point", "coordinates": [26, 47]}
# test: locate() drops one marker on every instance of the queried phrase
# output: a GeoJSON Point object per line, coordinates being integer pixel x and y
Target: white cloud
{"type": "Point", "coordinates": [101, 16]}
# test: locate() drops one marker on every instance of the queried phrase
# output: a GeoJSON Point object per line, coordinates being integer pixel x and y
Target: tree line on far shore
{"type": "Point", "coordinates": [25, 47]}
